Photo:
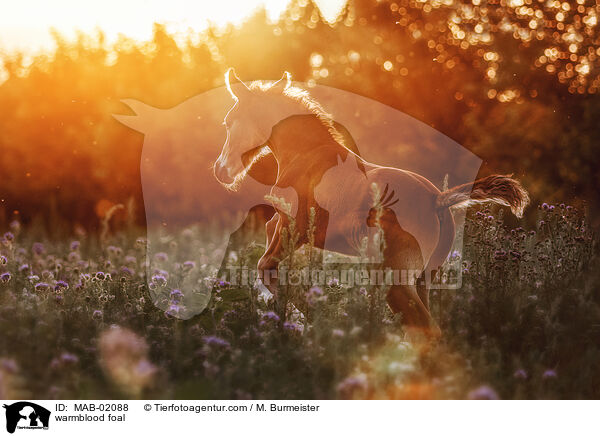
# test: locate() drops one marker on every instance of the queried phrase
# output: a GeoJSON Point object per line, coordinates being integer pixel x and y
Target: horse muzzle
{"type": "Point", "coordinates": [222, 173]}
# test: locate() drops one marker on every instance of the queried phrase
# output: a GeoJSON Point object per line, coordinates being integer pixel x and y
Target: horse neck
{"type": "Point", "coordinates": [304, 138]}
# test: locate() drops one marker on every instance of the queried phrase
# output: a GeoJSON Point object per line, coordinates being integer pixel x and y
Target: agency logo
{"type": "Point", "coordinates": [218, 160]}
{"type": "Point", "coordinates": [26, 415]}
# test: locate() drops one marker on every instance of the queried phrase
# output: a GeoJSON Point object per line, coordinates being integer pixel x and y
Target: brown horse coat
{"type": "Point", "coordinates": [317, 171]}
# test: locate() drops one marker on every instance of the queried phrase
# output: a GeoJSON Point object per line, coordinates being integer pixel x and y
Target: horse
{"type": "Point", "coordinates": [317, 171]}
{"type": "Point", "coordinates": [262, 167]}
{"type": "Point", "coordinates": [180, 192]}
{"type": "Point", "coordinates": [318, 174]}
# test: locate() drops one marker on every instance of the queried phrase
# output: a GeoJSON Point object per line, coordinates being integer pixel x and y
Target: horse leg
{"type": "Point", "coordinates": [270, 228]}
{"type": "Point", "coordinates": [440, 254]}
{"type": "Point", "coordinates": [403, 254]}
{"type": "Point", "coordinates": [423, 290]}
{"type": "Point", "coordinates": [268, 264]}
{"type": "Point", "coordinates": [250, 230]}
{"type": "Point", "coordinates": [404, 298]}
{"type": "Point", "coordinates": [416, 318]}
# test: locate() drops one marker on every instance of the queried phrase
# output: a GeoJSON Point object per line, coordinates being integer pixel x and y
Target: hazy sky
{"type": "Point", "coordinates": [24, 24]}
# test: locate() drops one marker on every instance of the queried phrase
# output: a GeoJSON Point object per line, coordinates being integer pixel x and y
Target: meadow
{"type": "Point", "coordinates": [515, 83]}
{"type": "Point", "coordinates": [78, 322]}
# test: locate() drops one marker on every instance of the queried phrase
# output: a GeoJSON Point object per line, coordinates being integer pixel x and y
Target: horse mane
{"type": "Point", "coordinates": [309, 103]}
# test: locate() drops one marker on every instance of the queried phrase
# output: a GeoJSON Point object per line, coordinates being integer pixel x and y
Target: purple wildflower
{"type": "Point", "coordinates": [9, 365]}
{"type": "Point", "coordinates": [69, 358]}
{"type": "Point", "coordinates": [292, 326]}
{"type": "Point", "coordinates": [159, 279]}
{"type": "Point", "coordinates": [520, 373]}
{"type": "Point", "coordinates": [97, 314]}
{"type": "Point", "coordinates": [271, 316]}
{"type": "Point", "coordinates": [114, 251]}
{"type": "Point", "coordinates": [173, 309]}
{"type": "Point", "coordinates": [351, 385]}
{"type": "Point", "coordinates": [3, 260]}
{"type": "Point", "coordinates": [75, 245]}
{"type": "Point", "coordinates": [145, 369]}
{"type": "Point", "coordinates": [60, 285]}
{"type": "Point", "coordinates": [216, 341]}
{"type": "Point", "coordinates": [483, 393]}
{"type": "Point", "coordinates": [38, 248]}
{"type": "Point", "coordinates": [5, 277]}
{"type": "Point", "coordinates": [83, 264]}
{"type": "Point", "coordinates": [161, 257]}
{"type": "Point", "coordinates": [176, 294]}
{"type": "Point", "coordinates": [8, 236]}
{"type": "Point", "coordinates": [41, 286]}
{"type": "Point", "coordinates": [549, 373]}
{"type": "Point", "coordinates": [223, 283]}
{"type": "Point", "coordinates": [338, 333]}
{"type": "Point", "coordinates": [455, 255]}
{"type": "Point", "coordinates": [315, 291]}
{"type": "Point", "coordinates": [160, 272]}
{"type": "Point", "coordinates": [127, 271]}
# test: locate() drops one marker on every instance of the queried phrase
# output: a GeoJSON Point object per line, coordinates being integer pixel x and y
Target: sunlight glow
{"type": "Point", "coordinates": [25, 25]}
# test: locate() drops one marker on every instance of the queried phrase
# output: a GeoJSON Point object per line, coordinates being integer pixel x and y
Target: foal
{"type": "Point", "coordinates": [317, 171]}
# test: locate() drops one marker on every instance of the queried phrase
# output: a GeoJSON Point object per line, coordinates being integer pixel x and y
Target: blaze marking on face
{"type": "Point", "coordinates": [248, 123]}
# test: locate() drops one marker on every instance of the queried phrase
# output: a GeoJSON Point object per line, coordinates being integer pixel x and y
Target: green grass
{"type": "Point", "coordinates": [525, 323]}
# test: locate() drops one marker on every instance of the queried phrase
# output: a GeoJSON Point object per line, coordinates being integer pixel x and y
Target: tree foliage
{"type": "Point", "coordinates": [513, 80]}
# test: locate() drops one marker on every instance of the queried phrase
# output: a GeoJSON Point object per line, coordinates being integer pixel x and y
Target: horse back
{"type": "Point", "coordinates": [413, 198]}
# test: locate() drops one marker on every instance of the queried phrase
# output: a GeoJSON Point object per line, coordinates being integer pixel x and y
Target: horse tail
{"type": "Point", "coordinates": [501, 189]}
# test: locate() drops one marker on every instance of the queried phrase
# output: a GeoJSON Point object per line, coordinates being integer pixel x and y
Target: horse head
{"type": "Point", "coordinates": [249, 122]}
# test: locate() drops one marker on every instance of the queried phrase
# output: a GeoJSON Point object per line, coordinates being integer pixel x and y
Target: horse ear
{"type": "Point", "coordinates": [339, 160]}
{"type": "Point", "coordinates": [284, 83]}
{"type": "Point", "coordinates": [144, 115]}
{"type": "Point", "coordinates": [231, 79]}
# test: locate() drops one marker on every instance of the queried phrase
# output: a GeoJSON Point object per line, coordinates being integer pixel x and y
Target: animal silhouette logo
{"type": "Point", "coordinates": [208, 164]}
{"type": "Point", "coordinates": [26, 415]}
{"type": "Point", "coordinates": [335, 185]}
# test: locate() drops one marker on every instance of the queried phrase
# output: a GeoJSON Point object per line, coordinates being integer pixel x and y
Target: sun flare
{"type": "Point", "coordinates": [26, 25]}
